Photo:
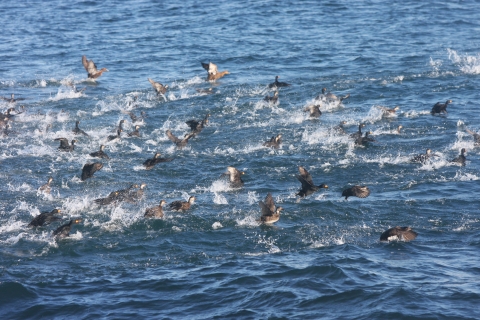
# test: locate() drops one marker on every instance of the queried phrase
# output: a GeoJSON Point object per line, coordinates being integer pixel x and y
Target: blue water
{"type": "Point", "coordinates": [323, 258]}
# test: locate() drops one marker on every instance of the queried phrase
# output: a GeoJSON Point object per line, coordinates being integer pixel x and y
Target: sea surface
{"type": "Point", "coordinates": [323, 258]}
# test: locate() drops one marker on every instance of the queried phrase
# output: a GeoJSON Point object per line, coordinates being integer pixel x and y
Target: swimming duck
{"type": "Point", "coordinates": [46, 187]}
{"type": "Point", "coordinates": [212, 70]}
{"type": "Point", "coordinates": [422, 158]}
{"type": "Point", "coordinates": [358, 134]}
{"type": "Point", "coordinates": [273, 99]}
{"type": "Point", "coordinates": [155, 212]}
{"type": "Point", "coordinates": [182, 205]}
{"type": "Point", "coordinates": [307, 183]}
{"type": "Point", "coordinates": [356, 191]}
{"type": "Point", "coordinates": [274, 142]}
{"type": "Point", "coordinates": [197, 126]}
{"type": "Point", "coordinates": [440, 107]}
{"type": "Point", "coordinates": [398, 233]}
{"type": "Point", "coordinates": [159, 88]}
{"type": "Point", "coordinates": [270, 212]}
{"type": "Point", "coordinates": [399, 128]}
{"type": "Point", "coordinates": [135, 133]}
{"type": "Point", "coordinates": [461, 159]}
{"type": "Point", "coordinates": [100, 153]}
{"type": "Point", "coordinates": [64, 146]}
{"type": "Point", "coordinates": [112, 197]}
{"type": "Point", "coordinates": [278, 84]}
{"type": "Point", "coordinates": [476, 136]}
{"type": "Point", "coordinates": [64, 231]}
{"type": "Point", "coordinates": [89, 169]}
{"type": "Point", "coordinates": [235, 177]}
{"type": "Point", "coordinates": [181, 143]}
{"type": "Point", "coordinates": [77, 130]}
{"type": "Point", "coordinates": [150, 163]}
{"type": "Point", "coordinates": [314, 111]}
{"type": "Point", "coordinates": [45, 218]}
{"type": "Point", "coordinates": [91, 68]}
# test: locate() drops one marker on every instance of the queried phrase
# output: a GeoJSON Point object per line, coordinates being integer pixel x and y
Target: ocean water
{"type": "Point", "coordinates": [323, 258]}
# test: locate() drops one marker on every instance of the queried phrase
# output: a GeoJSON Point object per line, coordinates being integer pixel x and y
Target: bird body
{"type": "Point", "coordinates": [45, 218]}
{"type": "Point", "coordinates": [91, 68]}
{"type": "Point", "coordinates": [440, 107]}
{"type": "Point", "coordinates": [100, 153]}
{"type": "Point", "coordinates": [422, 158]}
{"type": "Point", "coordinates": [182, 205]}
{"type": "Point", "coordinates": [89, 169]}
{"type": "Point", "coordinates": [117, 136]}
{"type": "Point", "coordinates": [150, 163]}
{"type": "Point", "coordinates": [65, 146]}
{"type": "Point", "coordinates": [314, 111]}
{"type": "Point", "coordinates": [365, 139]}
{"type": "Point", "coordinates": [358, 134]}
{"type": "Point", "coordinates": [235, 177]}
{"type": "Point", "coordinates": [461, 159]}
{"type": "Point", "coordinates": [270, 212]}
{"type": "Point", "coordinates": [212, 70]}
{"type": "Point", "coordinates": [197, 126]}
{"type": "Point", "coordinates": [356, 191]}
{"type": "Point", "coordinates": [135, 133]}
{"type": "Point", "coordinates": [278, 84]}
{"type": "Point", "coordinates": [398, 233]}
{"type": "Point", "coordinates": [77, 130]}
{"type": "Point", "coordinates": [155, 212]}
{"type": "Point", "coordinates": [159, 88]}
{"type": "Point", "coordinates": [273, 99]}
{"type": "Point", "coordinates": [64, 231]}
{"type": "Point", "coordinates": [46, 187]}
{"type": "Point", "coordinates": [307, 183]}
{"type": "Point", "coordinates": [274, 142]}
{"type": "Point", "coordinates": [181, 143]}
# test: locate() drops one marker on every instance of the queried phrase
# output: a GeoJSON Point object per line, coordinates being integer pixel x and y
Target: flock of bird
{"type": "Point", "coordinates": [270, 212]}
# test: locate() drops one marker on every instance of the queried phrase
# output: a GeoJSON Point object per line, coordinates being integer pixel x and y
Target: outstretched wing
{"type": "Point", "coordinates": [172, 137]}
{"type": "Point", "coordinates": [304, 176]}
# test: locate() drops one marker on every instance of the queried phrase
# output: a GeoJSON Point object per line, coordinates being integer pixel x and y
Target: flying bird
{"type": "Point", "coordinates": [356, 191]}
{"type": "Point", "coordinates": [91, 68]}
{"type": "Point", "coordinates": [307, 183]}
{"type": "Point", "coordinates": [270, 212]}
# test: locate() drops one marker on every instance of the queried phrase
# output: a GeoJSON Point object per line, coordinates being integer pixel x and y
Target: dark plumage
{"type": "Point", "coordinates": [476, 137]}
{"type": "Point", "coordinates": [64, 231]}
{"type": "Point", "coordinates": [89, 169]}
{"type": "Point", "coordinates": [398, 233]}
{"type": "Point", "coordinates": [461, 159]}
{"type": "Point", "coordinates": [270, 213]}
{"type": "Point", "coordinates": [440, 107]}
{"type": "Point", "coordinates": [159, 88]}
{"type": "Point", "coordinates": [273, 99]}
{"type": "Point", "coordinates": [182, 205]}
{"type": "Point", "coordinates": [46, 187]}
{"type": "Point", "coordinates": [91, 68]}
{"type": "Point", "coordinates": [112, 197]}
{"type": "Point", "coordinates": [197, 126]}
{"type": "Point", "coordinates": [155, 212]}
{"type": "Point", "coordinates": [235, 177]}
{"type": "Point", "coordinates": [314, 111]}
{"type": "Point", "coordinates": [117, 136]}
{"type": "Point", "coordinates": [64, 146]}
{"type": "Point", "coordinates": [212, 70]}
{"type": "Point", "coordinates": [356, 191]}
{"type": "Point", "coordinates": [278, 84]}
{"type": "Point", "coordinates": [274, 142]}
{"type": "Point", "coordinates": [181, 143]}
{"type": "Point", "coordinates": [134, 118]}
{"type": "Point", "coordinates": [307, 183]}
{"type": "Point", "coordinates": [150, 163]}
{"type": "Point", "coordinates": [358, 134]}
{"type": "Point", "coordinates": [77, 130]}
{"type": "Point", "coordinates": [100, 153]}
{"type": "Point", "coordinates": [340, 129]}
{"type": "Point", "coordinates": [120, 125]}
{"type": "Point", "coordinates": [135, 133]}
{"type": "Point", "coordinates": [135, 196]}
{"type": "Point", "coordinates": [365, 139]}
{"type": "Point", "coordinates": [422, 158]}
{"type": "Point", "coordinates": [45, 218]}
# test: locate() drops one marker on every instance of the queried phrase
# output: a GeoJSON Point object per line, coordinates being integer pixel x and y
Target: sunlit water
{"type": "Point", "coordinates": [323, 258]}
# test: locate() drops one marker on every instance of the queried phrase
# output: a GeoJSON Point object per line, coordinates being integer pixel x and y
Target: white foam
{"type": "Point", "coordinates": [468, 64]}
{"type": "Point", "coordinates": [217, 225]}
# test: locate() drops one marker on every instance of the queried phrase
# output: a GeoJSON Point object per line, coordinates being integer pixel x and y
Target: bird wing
{"type": "Point", "coordinates": [192, 124]}
{"type": "Point", "coordinates": [210, 67]}
{"type": "Point", "coordinates": [270, 203]}
{"type": "Point", "coordinates": [361, 192]}
{"type": "Point", "coordinates": [89, 66]}
{"type": "Point", "coordinates": [305, 176]}
{"type": "Point", "coordinates": [265, 209]}
{"type": "Point", "coordinates": [172, 137]}
{"type": "Point", "coordinates": [63, 143]}
{"type": "Point", "coordinates": [157, 86]}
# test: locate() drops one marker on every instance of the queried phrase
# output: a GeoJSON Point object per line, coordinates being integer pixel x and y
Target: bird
{"type": "Point", "coordinates": [155, 212]}
{"type": "Point", "coordinates": [135, 133]}
{"type": "Point", "coordinates": [274, 142]}
{"type": "Point", "coordinates": [120, 125]}
{"type": "Point", "coordinates": [278, 84]}
{"type": "Point", "coordinates": [398, 233]}
{"type": "Point", "coordinates": [46, 187]}
{"type": "Point", "coordinates": [330, 97]}
{"type": "Point", "coordinates": [389, 111]}
{"type": "Point", "coordinates": [137, 195]}
{"type": "Point", "coordinates": [65, 146]}
{"type": "Point", "coordinates": [100, 153]}
{"type": "Point", "coordinates": [197, 126]}
{"type": "Point", "coordinates": [365, 139]}
{"type": "Point", "coordinates": [461, 158]}
{"type": "Point", "coordinates": [45, 218]}
{"type": "Point", "coordinates": [273, 99]}
{"type": "Point", "coordinates": [181, 143]}
{"type": "Point", "coordinates": [134, 118]}
{"type": "Point", "coordinates": [77, 130]}
{"type": "Point", "coordinates": [235, 177]}
{"type": "Point", "coordinates": [112, 197]}
{"type": "Point", "coordinates": [182, 205]}
{"type": "Point", "coordinates": [340, 129]}
{"type": "Point", "coordinates": [358, 134]}
{"type": "Point", "coordinates": [117, 136]}
{"type": "Point", "coordinates": [91, 68]}
{"type": "Point", "coordinates": [150, 163]}
{"type": "Point", "coordinates": [12, 98]}
{"type": "Point", "coordinates": [89, 169]}
{"type": "Point", "coordinates": [422, 158]}
{"type": "Point", "coordinates": [8, 116]}
{"type": "Point", "coordinates": [64, 231]}
{"type": "Point", "coordinates": [270, 212]}
{"type": "Point", "coordinates": [159, 88]}
{"type": "Point", "coordinates": [212, 70]}
{"type": "Point", "coordinates": [307, 183]}
{"type": "Point", "coordinates": [399, 128]}
{"type": "Point", "coordinates": [476, 137]}
{"type": "Point", "coordinates": [314, 111]}
{"type": "Point", "coordinates": [356, 191]}
{"type": "Point", "coordinates": [440, 107]}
